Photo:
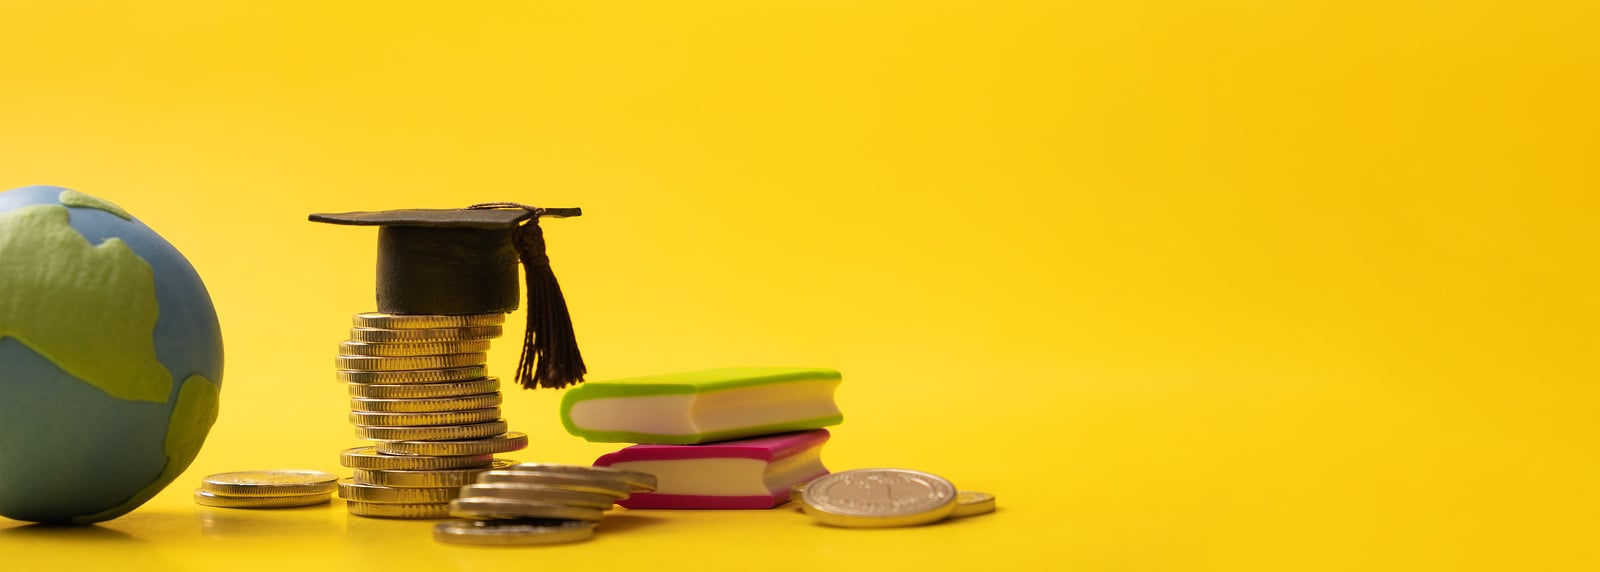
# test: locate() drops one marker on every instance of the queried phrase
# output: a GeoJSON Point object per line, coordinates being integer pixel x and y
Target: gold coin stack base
{"type": "Point", "coordinates": [536, 503]}
{"type": "Point", "coordinates": [420, 391]}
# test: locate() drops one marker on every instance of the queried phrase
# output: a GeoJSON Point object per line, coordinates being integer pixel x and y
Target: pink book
{"type": "Point", "coordinates": [742, 473]}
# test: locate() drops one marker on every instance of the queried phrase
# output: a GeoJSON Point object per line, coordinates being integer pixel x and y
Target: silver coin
{"type": "Point", "coordinates": [879, 498]}
{"type": "Point", "coordinates": [968, 503]}
{"type": "Point", "coordinates": [513, 532]}
{"type": "Point", "coordinates": [482, 508]}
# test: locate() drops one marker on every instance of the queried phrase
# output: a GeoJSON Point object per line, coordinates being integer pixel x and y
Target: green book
{"type": "Point", "coordinates": [702, 406]}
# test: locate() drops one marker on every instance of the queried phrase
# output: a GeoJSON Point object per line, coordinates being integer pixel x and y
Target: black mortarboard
{"type": "Point", "coordinates": [464, 261]}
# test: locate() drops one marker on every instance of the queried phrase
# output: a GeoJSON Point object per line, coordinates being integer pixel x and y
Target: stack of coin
{"type": "Point", "coordinates": [266, 489]}
{"type": "Point", "coordinates": [420, 390]}
{"type": "Point", "coordinates": [536, 503]}
{"type": "Point", "coordinates": [876, 498]}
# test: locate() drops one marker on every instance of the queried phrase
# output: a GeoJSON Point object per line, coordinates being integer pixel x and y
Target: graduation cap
{"type": "Point", "coordinates": [464, 261]}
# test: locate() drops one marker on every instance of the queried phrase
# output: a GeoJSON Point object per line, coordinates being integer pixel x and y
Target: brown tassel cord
{"type": "Point", "coordinates": [550, 356]}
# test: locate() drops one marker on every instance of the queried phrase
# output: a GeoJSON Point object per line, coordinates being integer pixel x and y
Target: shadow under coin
{"type": "Point", "coordinates": [622, 521]}
{"type": "Point", "coordinates": [238, 522]}
{"type": "Point", "coordinates": [92, 532]}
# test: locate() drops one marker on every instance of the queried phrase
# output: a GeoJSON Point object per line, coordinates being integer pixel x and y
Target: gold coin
{"type": "Point", "coordinates": [547, 495]}
{"type": "Point", "coordinates": [615, 488]}
{"type": "Point", "coordinates": [407, 510]}
{"type": "Point", "coordinates": [416, 321]}
{"type": "Point", "coordinates": [361, 492]}
{"type": "Point", "coordinates": [639, 482]}
{"type": "Point", "coordinates": [513, 532]}
{"type": "Point", "coordinates": [368, 363]}
{"type": "Point", "coordinates": [425, 390]}
{"type": "Point", "coordinates": [490, 507]}
{"type": "Point", "coordinates": [424, 419]}
{"type": "Point", "coordinates": [865, 498]}
{"type": "Point", "coordinates": [425, 478]}
{"type": "Point", "coordinates": [348, 348]}
{"type": "Point", "coordinates": [209, 498]}
{"type": "Point", "coordinates": [796, 490]}
{"type": "Point", "coordinates": [382, 335]}
{"type": "Point", "coordinates": [278, 483]}
{"type": "Point", "coordinates": [415, 376]}
{"type": "Point", "coordinates": [503, 443]}
{"type": "Point", "coordinates": [369, 458]}
{"type": "Point", "coordinates": [972, 503]}
{"type": "Point", "coordinates": [433, 433]}
{"type": "Point", "coordinates": [463, 403]}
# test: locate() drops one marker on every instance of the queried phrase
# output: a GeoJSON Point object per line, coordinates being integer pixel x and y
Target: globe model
{"type": "Point", "coordinates": [110, 358]}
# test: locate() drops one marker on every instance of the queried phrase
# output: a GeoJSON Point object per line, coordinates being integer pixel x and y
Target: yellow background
{"type": "Point", "coordinates": [1188, 285]}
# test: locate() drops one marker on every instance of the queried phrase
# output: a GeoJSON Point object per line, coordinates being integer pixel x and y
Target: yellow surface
{"type": "Point", "coordinates": [1188, 286]}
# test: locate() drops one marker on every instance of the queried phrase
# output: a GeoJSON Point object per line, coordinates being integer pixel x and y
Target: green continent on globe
{"type": "Point", "coordinates": [73, 198]}
{"type": "Point", "coordinates": [105, 339]}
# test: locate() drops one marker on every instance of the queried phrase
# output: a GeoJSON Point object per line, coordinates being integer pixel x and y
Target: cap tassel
{"type": "Point", "coordinates": [550, 356]}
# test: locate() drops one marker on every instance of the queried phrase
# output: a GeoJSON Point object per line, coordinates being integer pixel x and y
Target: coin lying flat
{"type": "Point", "coordinates": [370, 363]}
{"type": "Point", "coordinates": [503, 443]}
{"type": "Point", "coordinates": [513, 531]}
{"type": "Point", "coordinates": [424, 419]}
{"type": "Point", "coordinates": [275, 483]}
{"type": "Point", "coordinates": [414, 376]}
{"type": "Point", "coordinates": [424, 390]}
{"type": "Point", "coordinates": [421, 335]}
{"type": "Point", "coordinates": [434, 432]}
{"type": "Point", "coordinates": [208, 498]}
{"type": "Point", "coordinates": [398, 510]}
{"type": "Point", "coordinates": [865, 498]}
{"type": "Point", "coordinates": [639, 482]}
{"type": "Point", "coordinates": [422, 321]}
{"type": "Point", "coordinates": [360, 492]}
{"type": "Point", "coordinates": [968, 503]}
{"type": "Point", "coordinates": [369, 458]}
{"type": "Point", "coordinates": [496, 508]}
{"type": "Point", "coordinates": [614, 488]}
{"type": "Point", "coordinates": [425, 478]}
{"type": "Point", "coordinates": [435, 405]}
{"type": "Point", "coordinates": [972, 503]}
{"type": "Point", "coordinates": [548, 495]}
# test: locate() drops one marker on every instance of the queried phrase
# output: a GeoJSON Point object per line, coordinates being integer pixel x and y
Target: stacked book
{"type": "Point", "coordinates": [723, 438]}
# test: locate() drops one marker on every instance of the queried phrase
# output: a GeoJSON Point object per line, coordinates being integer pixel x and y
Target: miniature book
{"type": "Point", "coordinates": [743, 473]}
{"type": "Point", "coordinates": [702, 406]}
